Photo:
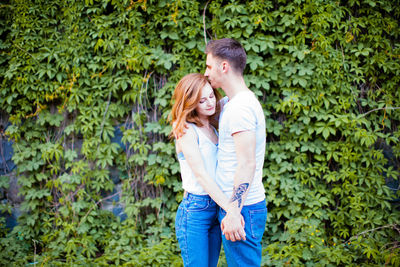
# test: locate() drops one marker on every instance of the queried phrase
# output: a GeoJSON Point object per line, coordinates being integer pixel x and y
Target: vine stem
{"type": "Point", "coordinates": [16, 45]}
{"type": "Point", "coordinates": [204, 21]}
{"type": "Point", "coordinates": [394, 226]}
{"type": "Point", "coordinates": [96, 204]}
{"type": "Point", "coordinates": [105, 113]}
{"type": "Point", "coordinates": [376, 109]}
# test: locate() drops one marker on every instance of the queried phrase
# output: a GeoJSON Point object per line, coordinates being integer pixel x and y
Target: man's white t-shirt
{"type": "Point", "coordinates": [241, 113]}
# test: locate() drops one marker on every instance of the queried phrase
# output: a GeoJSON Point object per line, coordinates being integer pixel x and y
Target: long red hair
{"type": "Point", "coordinates": [186, 97]}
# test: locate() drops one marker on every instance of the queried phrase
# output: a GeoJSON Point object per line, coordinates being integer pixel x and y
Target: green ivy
{"type": "Point", "coordinates": [72, 73]}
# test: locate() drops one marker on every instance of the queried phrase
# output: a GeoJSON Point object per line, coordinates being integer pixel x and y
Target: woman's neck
{"type": "Point", "coordinates": [205, 121]}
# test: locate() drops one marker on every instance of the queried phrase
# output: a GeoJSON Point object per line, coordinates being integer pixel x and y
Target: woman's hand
{"type": "Point", "coordinates": [232, 226]}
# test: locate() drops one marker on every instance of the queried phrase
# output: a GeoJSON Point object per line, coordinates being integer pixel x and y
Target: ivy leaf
{"type": "Point", "coordinates": [4, 182]}
{"type": "Point", "coordinates": [70, 155]}
{"type": "Point", "coordinates": [255, 61]}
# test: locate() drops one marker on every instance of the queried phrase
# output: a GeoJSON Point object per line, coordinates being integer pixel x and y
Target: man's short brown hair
{"type": "Point", "coordinates": [230, 50]}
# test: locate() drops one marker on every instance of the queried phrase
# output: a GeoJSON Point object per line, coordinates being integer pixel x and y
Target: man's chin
{"type": "Point", "coordinates": [214, 86]}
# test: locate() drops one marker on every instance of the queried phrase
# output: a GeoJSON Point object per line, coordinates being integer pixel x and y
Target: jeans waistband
{"type": "Point", "coordinates": [188, 195]}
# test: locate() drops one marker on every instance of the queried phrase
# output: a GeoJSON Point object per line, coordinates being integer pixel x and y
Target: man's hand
{"type": "Point", "coordinates": [232, 226]}
{"type": "Point", "coordinates": [179, 135]}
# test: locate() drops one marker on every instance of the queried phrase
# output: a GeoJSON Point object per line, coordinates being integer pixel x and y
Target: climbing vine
{"type": "Point", "coordinates": [86, 86]}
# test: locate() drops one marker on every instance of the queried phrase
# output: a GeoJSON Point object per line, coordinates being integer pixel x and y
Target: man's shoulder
{"type": "Point", "coordinates": [244, 102]}
{"type": "Point", "coordinates": [247, 98]}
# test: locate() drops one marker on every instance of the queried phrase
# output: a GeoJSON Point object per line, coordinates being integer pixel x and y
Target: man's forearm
{"type": "Point", "coordinates": [238, 193]}
{"type": "Point", "coordinates": [245, 146]}
{"type": "Point", "coordinates": [243, 178]}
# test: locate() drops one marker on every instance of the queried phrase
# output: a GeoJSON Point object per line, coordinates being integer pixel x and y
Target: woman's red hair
{"type": "Point", "coordinates": [187, 95]}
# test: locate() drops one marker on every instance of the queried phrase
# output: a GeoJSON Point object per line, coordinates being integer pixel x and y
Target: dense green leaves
{"type": "Point", "coordinates": [87, 86]}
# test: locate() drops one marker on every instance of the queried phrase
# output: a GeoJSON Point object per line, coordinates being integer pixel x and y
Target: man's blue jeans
{"type": "Point", "coordinates": [198, 231]}
{"type": "Point", "coordinates": [247, 253]}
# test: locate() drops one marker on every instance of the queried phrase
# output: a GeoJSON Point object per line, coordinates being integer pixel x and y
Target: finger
{"type": "Point", "coordinates": [238, 236]}
{"type": "Point", "coordinates": [229, 236]}
{"type": "Point", "coordinates": [177, 135]}
{"type": "Point", "coordinates": [232, 237]}
{"type": "Point", "coordinates": [226, 236]}
{"type": "Point", "coordinates": [242, 234]}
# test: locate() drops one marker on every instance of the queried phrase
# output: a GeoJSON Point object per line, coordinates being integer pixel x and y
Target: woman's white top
{"type": "Point", "coordinates": [208, 151]}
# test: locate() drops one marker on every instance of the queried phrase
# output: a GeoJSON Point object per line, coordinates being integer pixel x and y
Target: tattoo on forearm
{"type": "Point", "coordinates": [238, 193]}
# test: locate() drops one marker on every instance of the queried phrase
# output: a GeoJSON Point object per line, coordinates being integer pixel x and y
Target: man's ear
{"type": "Point", "coordinates": [225, 66]}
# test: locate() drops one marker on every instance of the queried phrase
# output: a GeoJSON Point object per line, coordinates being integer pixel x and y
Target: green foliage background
{"type": "Point", "coordinates": [327, 74]}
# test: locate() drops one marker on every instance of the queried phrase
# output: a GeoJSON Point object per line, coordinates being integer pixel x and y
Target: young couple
{"type": "Point", "coordinates": [224, 199]}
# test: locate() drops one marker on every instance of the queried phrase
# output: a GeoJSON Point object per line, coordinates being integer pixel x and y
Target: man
{"type": "Point", "coordinates": [241, 151]}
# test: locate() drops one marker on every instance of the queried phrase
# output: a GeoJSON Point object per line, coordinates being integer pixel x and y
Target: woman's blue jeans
{"type": "Point", "coordinates": [198, 231]}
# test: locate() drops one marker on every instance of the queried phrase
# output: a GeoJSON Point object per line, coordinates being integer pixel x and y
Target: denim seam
{"type": "Point", "coordinates": [184, 228]}
{"type": "Point", "coordinates": [251, 213]}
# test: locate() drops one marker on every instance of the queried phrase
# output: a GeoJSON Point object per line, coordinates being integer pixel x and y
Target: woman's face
{"type": "Point", "coordinates": [207, 102]}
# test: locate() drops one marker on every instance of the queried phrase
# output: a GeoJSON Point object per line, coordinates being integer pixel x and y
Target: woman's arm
{"type": "Point", "coordinates": [190, 149]}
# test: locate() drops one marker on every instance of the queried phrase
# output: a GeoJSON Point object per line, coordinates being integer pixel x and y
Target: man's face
{"type": "Point", "coordinates": [213, 71]}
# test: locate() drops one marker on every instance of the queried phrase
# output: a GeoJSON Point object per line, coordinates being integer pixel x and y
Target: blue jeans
{"type": "Point", "coordinates": [198, 231]}
{"type": "Point", "coordinates": [247, 253]}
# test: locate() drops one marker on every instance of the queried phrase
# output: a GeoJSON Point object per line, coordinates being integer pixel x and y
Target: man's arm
{"type": "Point", "coordinates": [245, 146]}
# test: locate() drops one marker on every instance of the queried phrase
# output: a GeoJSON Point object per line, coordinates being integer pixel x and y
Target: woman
{"type": "Point", "coordinates": [192, 116]}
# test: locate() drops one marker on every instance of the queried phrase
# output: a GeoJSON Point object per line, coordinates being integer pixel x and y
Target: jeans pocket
{"type": "Point", "coordinates": [197, 205]}
{"type": "Point", "coordinates": [258, 219]}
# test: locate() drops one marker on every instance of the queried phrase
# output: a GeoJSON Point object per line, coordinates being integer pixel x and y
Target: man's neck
{"type": "Point", "coordinates": [234, 85]}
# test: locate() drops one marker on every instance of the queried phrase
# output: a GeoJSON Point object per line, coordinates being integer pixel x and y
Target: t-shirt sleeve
{"type": "Point", "coordinates": [241, 118]}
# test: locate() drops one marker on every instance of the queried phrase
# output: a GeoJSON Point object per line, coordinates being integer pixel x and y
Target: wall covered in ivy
{"type": "Point", "coordinates": [85, 90]}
